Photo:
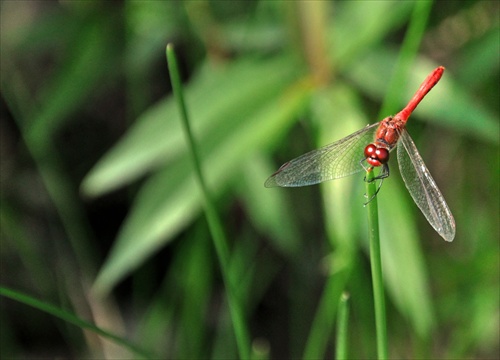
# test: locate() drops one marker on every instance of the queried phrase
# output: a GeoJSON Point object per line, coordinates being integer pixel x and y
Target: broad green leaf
{"type": "Point", "coordinates": [268, 209]}
{"type": "Point", "coordinates": [402, 258]}
{"type": "Point", "coordinates": [217, 99]}
{"type": "Point", "coordinates": [479, 61]}
{"type": "Point", "coordinates": [358, 29]}
{"type": "Point", "coordinates": [170, 199]}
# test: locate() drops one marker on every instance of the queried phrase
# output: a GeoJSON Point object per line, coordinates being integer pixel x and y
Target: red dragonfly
{"type": "Point", "coordinates": [348, 156]}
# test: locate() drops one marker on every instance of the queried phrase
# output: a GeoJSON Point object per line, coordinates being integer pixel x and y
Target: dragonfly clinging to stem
{"type": "Point", "coordinates": [370, 147]}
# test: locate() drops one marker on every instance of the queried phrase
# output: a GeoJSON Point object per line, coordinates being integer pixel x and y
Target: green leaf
{"type": "Point", "coordinates": [403, 261]}
{"type": "Point", "coordinates": [268, 209]}
{"type": "Point", "coordinates": [357, 29]}
{"type": "Point", "coordinates": [482, 54]}
{"type": "Point", "coordinates": [170, 199]}
{"type": "Point", "coordinates": [218, 98]}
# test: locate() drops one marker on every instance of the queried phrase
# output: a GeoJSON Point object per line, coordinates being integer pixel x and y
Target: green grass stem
{"type": "Point", "coordinates": [73, 319]}
{"type": "Point", "coordinates": [376, 267]}
{"type": "Point", "coordinates": [214, 222]}
{"type": "Point", "coordinates": [409, 49]}
{"type": "Point", "coordinates": [52, 173]}
{"type": "Point", "coordinates": [341, 351]}
{"type": "Point", "coordinates": [324, 320]}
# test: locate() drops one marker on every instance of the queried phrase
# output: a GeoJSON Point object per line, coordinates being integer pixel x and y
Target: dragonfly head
{"type": "Point", "coordinates": [376, 156]}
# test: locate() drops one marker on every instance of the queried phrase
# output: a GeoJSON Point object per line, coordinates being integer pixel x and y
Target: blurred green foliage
{"type": "Point", "coordinates": [101, 214]}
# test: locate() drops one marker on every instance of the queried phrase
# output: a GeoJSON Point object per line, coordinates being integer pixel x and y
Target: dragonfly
{"type": "Point", "coordinates": [370, 147]}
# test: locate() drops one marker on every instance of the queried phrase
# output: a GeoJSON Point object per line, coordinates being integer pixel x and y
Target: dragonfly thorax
{"type": "Point", "coordinates": [389, 130]}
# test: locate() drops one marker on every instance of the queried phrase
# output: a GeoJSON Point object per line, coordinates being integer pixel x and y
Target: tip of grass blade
{"type": "Point", "coordinates": [214, 222]}
{"type": "Point", "coordinates": [342, 326]}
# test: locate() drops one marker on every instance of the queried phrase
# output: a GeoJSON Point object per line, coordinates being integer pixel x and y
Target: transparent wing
{"type": "Point", "coordinates": [342, 158]}
{"type": "Point", "coordinates": [423, 188]}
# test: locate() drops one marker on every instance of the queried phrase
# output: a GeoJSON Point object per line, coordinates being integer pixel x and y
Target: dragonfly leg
{"type": "Point", "coordinates": [367, 169]}
{"type": "Point", "coordinates": [383, 174]}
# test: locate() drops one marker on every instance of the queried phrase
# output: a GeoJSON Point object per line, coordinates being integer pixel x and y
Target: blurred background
{"type": "Point", "coordinates": [102, 217]}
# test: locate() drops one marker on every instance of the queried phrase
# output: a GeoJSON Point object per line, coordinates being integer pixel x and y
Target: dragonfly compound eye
{"type": "Point", "coordinates": [382, 155]}
{"type": "Point", "coordinates": [376, 156]}
{"type": "Point", "coordinates": [370, 150]}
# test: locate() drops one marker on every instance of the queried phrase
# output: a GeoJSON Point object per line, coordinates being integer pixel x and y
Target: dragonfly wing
{"type": "Point", "coordinates": [423, 188]}
{"type": "Point", "coordinates": [339, 159]}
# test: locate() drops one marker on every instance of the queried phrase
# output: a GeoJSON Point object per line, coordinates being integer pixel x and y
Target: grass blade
{"type": "Point", "coordinates": [72, 319]}
{"type": "Point", "coordinates": [376, 267]}
{"type": "Point", "coordinates": [342, 323]}
{"type": "Point", "coordinates": [214, 223]}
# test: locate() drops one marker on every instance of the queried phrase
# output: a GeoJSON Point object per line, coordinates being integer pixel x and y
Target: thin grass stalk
{"type": "Point", "coordinates": [68, 207]}
{"type": "Point", "coordinates": [376, 267]}
{"type": "Point", "coordinates": [57, 185]}
{"type": "Point", "coordinates": [409, 49]}
{"type": "Point", "coordinates": [341, 349]}
{"type": "Point", "coordinates": [75, 320]}
{"type": "Point", "coordinates": [324, 320]}
{"type": "Point", "coordinates": [214, 223]}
